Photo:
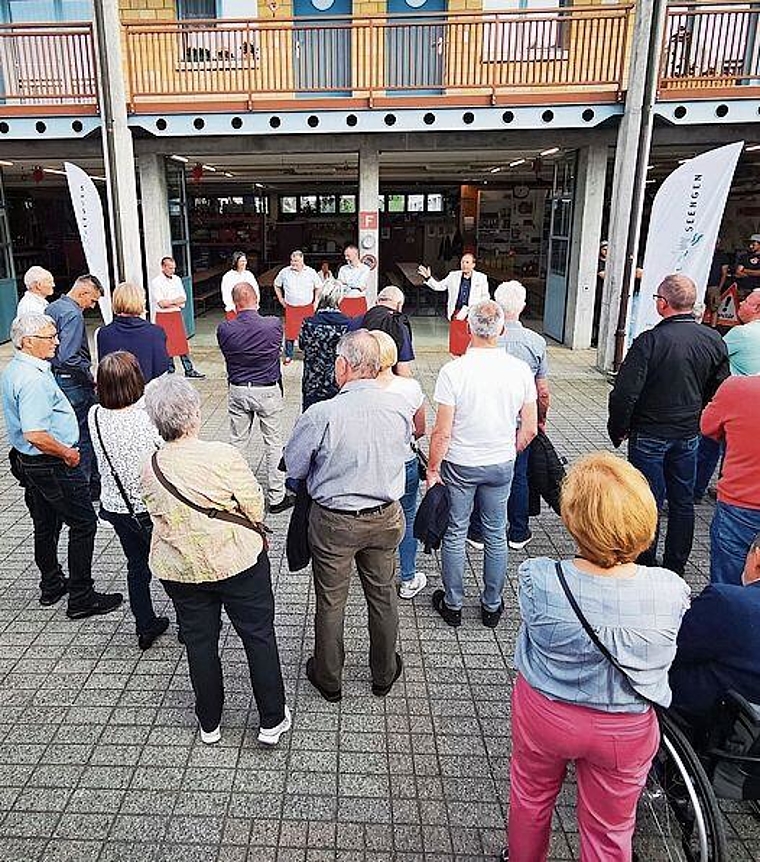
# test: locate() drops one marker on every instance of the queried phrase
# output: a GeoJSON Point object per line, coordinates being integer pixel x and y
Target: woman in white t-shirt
{"type": "Point", "coordinates": [238, 273]}
{"type": "Point", "coordinates": [412, 581]}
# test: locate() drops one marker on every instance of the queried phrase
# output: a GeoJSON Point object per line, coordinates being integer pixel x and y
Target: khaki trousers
{"type": "Point", "coordinates": [337, 540]}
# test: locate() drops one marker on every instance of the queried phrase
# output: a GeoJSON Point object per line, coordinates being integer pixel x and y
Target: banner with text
{"type": "Point", "coordinates": [686, 217]}
{"type": "Point", "coordinates": [88, 210]}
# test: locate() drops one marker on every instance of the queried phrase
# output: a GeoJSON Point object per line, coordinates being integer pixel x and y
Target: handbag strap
{"type": "Point", "coordinates": [210, 512]}
{"type": "Point", "coordinates": [119, 484]}
{"type": "Point", "coordinates": [590, 631]}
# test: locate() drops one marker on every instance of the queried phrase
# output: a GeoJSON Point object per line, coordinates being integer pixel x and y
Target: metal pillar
{"type": "Point", "coordinates": [369, 217]}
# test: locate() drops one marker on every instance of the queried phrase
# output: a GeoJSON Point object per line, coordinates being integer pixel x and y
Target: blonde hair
{"type": "Point", "coordinates": [608, 509]}
{"type": "Point", "coordinates": [388, 349]}
{"type": "Point", "coordinates": [128, 298]}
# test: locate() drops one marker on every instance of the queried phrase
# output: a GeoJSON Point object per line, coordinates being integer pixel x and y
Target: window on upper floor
{"type": "Point", "coordinates": [220, 44]}
{"type": "Point", "coordinates": [187, 10]}
{"type": "Point", "coordinates": [44, 11]}
{"type": "Point", "coordinates": [510, 37]}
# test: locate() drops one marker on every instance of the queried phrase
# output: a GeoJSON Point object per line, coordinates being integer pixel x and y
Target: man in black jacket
{"type": "Point", "coordinates": [668, 376]}
{"type": "Point", "coordinates": [388, 315]}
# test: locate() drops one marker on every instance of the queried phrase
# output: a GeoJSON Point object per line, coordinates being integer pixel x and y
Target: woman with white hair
{"type": "Point", "coordinates": [319, 339]}
{"type": "Point", "coordinates": [209, 549]}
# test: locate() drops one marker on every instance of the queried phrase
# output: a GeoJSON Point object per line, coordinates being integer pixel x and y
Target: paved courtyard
{"type": "Point", "coordinates": [99, 753]}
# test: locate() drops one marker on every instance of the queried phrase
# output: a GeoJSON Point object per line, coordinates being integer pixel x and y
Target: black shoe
{"type": "Point", "coordinates": [331, 696]}
{"type": "Point", "coordinates": [491, 619]}
{"type": "Point", "coordinates": [287, 502]}
{"type": "Point", "coordinates": [450, 617]}
{"type": "Point", "coordinates": [54, 596]}
{"type": "Point", "coordinates": [382, 690]}
{"type": "Point", "coordinates": [504, 855]}
{"type": "Point", "coordinates": [196, 375]}
{"type": "Point", "coordinates": [157, 628]}
{"type": "Point", "coordinates": [99, 604]}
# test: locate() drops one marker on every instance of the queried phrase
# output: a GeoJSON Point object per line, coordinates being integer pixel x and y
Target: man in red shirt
{"type": "Point", "coordinates": [733, 416]}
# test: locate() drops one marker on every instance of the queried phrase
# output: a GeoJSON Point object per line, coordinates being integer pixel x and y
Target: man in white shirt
{"type": "Point", "coordinates": [39, 285]}
{"type": "Point", "coordinates": [466, 287]}
{"type": "Point", "coordinates": [355, 276]}
{"type": "Point", "coordinates": [297, 287]}
{"type": "Point", "coordinates": [167, 299]}
{"type": "Point", "coordinates": [486, 415]}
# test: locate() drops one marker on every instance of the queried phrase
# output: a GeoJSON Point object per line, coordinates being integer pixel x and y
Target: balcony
{"type": "Point", "coordinates": [47, 68]}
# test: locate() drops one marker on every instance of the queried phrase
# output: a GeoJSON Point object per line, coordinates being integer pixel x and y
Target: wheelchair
{"type": "Point", "coordinates": [678, 816]}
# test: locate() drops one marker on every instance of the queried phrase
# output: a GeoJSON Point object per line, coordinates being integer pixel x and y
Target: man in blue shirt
{"type": "Point", "coordinates": [719, 644]}
{"type": "Point", "coordinates": [251, 346]}
{"type": "Point", "coordinates": [43, 430]}
{"type": "Point", "coordinates": [72, 364]}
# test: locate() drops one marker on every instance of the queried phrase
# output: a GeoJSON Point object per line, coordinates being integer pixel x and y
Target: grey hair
{"type": "Point", "coordinates": [297, 253]}
{"type": "Point", "coordinates": [679, 291]}
{"type": "Point", "coordinates": [511, 297]}
{"type": "Point", "coordinates": [29, 324]}
{"type": "Point", "coordinates": [34, 275]}
{"type": "Point", "coordinates": [331, 295]}
{"type": "Point", "coordinates": [391, 294]}
{"type": "Point", "coordinates": [173, 406]}
{"type": "Point", "coordinates": [486, 319]}
{"type": "Point", "coordinates": [362, 353]}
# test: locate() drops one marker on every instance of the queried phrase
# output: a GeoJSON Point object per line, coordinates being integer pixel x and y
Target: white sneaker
{"type": "Point", "coordinates": [271, 735]}
{"type": "Point", "coordinates": [476, 544]}
{"type": "Point", "coordinates": [212, 736]}
{"type": "Point", "coordinates": [518, 546]}
{"type": "Point", "coordinates": [409, 589]}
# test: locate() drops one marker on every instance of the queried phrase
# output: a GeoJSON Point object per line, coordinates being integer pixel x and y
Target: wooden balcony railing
{"type": "Point", "coordinates": [47, 65]}
{"type": "Point", "coordinates": [575, 52]}
{"type": "Point", "coordinates": [711, 49]}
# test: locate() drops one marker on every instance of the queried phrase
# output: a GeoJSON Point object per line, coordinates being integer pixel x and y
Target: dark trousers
{"type": "Point", "coordinates": [135, 542]}
{"type": "Point", "coordinates": [708, 455]}
{"type": "Point", "coordinates": [670, 467]}
{"type": "Point", "coordinates": [56, 494]}
{"type": "Point", "coordinates": [337, 540]}
{"type": "Point", "coordinates": [249, 603]}
{"type": "Point", "coordinates": [517, 506]}
{"type": "Point", "coordinates": [187, 364]}
{"type": "Point", "coordinates": [81, 397]}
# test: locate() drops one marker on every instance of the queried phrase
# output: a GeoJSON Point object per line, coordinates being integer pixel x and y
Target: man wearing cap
{"type": "Point", "coordinates": [747, 268]}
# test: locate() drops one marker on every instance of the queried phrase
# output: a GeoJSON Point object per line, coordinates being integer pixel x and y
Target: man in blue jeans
{"type": "Point", "coordinates": [669, 374]}
{"type": "Point", "coordinates": [486, 415]}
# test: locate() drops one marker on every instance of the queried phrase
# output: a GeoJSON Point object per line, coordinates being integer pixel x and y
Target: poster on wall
{"type": "Point", "coordinates": [686, 217]}
{"type": "Point", "coordinates": [88, 210]}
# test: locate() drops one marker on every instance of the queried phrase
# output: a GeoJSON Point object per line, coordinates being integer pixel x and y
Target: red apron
{"type": "Point", "coordinates": [230, 315]}
{"type": "Point", "coordinates": [294, 317]}
{"type": "Point", "coordinates": [459, 337]}
{"type": "Point", "coordinates": [354, 306]}
{"type": "Point", "coordinates": [174, 327]}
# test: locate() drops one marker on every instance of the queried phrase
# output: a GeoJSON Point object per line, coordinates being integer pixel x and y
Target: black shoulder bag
{"type": "Point", "coordinates": [593, 635]}
{"type": "Point", "coordinates": [210, 512]}
{"type": "Point", "coordinates": [117, 480]}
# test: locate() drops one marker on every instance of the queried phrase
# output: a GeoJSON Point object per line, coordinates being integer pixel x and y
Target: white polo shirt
{"type": "Point", "coordinates": [31, 303]}
{"type": "Point", "coordinates": [162, 288]}
{"type": "Point", "coordinates": [298, 286]}
{"type": "Point", "coordinates": [354, 277]}
{"type": "Point", "coordinates": [487, 389]}
{"type": "Point", "coordinates": [230, 279]}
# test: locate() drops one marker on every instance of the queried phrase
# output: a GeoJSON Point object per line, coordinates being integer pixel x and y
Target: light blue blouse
{"type": "Point", "coordinates": [636, 618]}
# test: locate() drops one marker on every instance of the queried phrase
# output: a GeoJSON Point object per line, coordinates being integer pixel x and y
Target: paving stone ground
{"type": "Point", "coordinates": [99, 754]}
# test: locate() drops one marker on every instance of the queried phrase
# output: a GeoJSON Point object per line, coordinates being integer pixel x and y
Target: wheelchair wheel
{"type": "Point", "coordinates": [678, 816]}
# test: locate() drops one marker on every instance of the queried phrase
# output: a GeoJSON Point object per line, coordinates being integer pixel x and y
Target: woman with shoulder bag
{"type": "Point", "coordinates": [597, 640]}
{"type": "Point", "coordinates": [123, 438]}
{"type": "Point", "coordinates": [209, 550]}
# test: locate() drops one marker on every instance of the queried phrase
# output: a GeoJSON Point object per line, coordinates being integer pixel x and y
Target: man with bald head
{"type": "Point", "coordinates": [39, 284]}
{"type": "Point", "coordinates": [250, 344]}
{"type": "Point", "coordinates": [388, 315]}
{"type": "Point", "coordinates": [670, 373]}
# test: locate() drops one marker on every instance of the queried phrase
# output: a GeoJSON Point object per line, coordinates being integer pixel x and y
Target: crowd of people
{"type": "Point", "coordinates": [191, 513]}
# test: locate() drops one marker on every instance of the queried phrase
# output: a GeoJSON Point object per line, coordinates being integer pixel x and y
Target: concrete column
{"type": "Point", "coordinates": [591, 173]}
{"type": "Point", "coordinates": [631, 157]}
{"type": "Point", "coordinates": [369, 217]}
{"type": "Point", "coordinates": [155, 212]}
{"type": "Point", "coordinates": [117, 146]}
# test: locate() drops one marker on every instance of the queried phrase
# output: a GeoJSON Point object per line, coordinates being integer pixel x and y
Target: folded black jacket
{"type": "Point", "coordinates": [297, 548]}
{"type": "Point", "coordinates": [546, 471]}
{"type": "Point", "coordinates": [668, 376]}
{"type": "Point", "coordinates": [432, 517]}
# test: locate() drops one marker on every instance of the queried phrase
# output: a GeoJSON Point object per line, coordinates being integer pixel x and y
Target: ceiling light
{"type": "Point", "coordinates": [101, 179]}
{"type": "Point", "coordinates": [180, 159]}
{"type": "Point", "coordinates": [649, 167]}
{"type": "Point", "coordinates": [494, 170]}
{"type": "Point", "coordinates": [228, 174]}
{"type": "Point", "coordinates": [6, 164]}
{"type": "Point", "coordinates": [259, 185]}
{"type": "Point", "coordinates": [209, 168]}
{"type": "Point", "coordinates": [53, 171]}
{"type": "Point", "coordinates": [517, 162]}
{"type": "Point", "coordinates": [550, 152]}
{"type": "Point", "coordinates": [682, 161]}
{"type": "Point", "coordinates": [651, 181]}
{"type": "Point", "coordinates": [748, 149]}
